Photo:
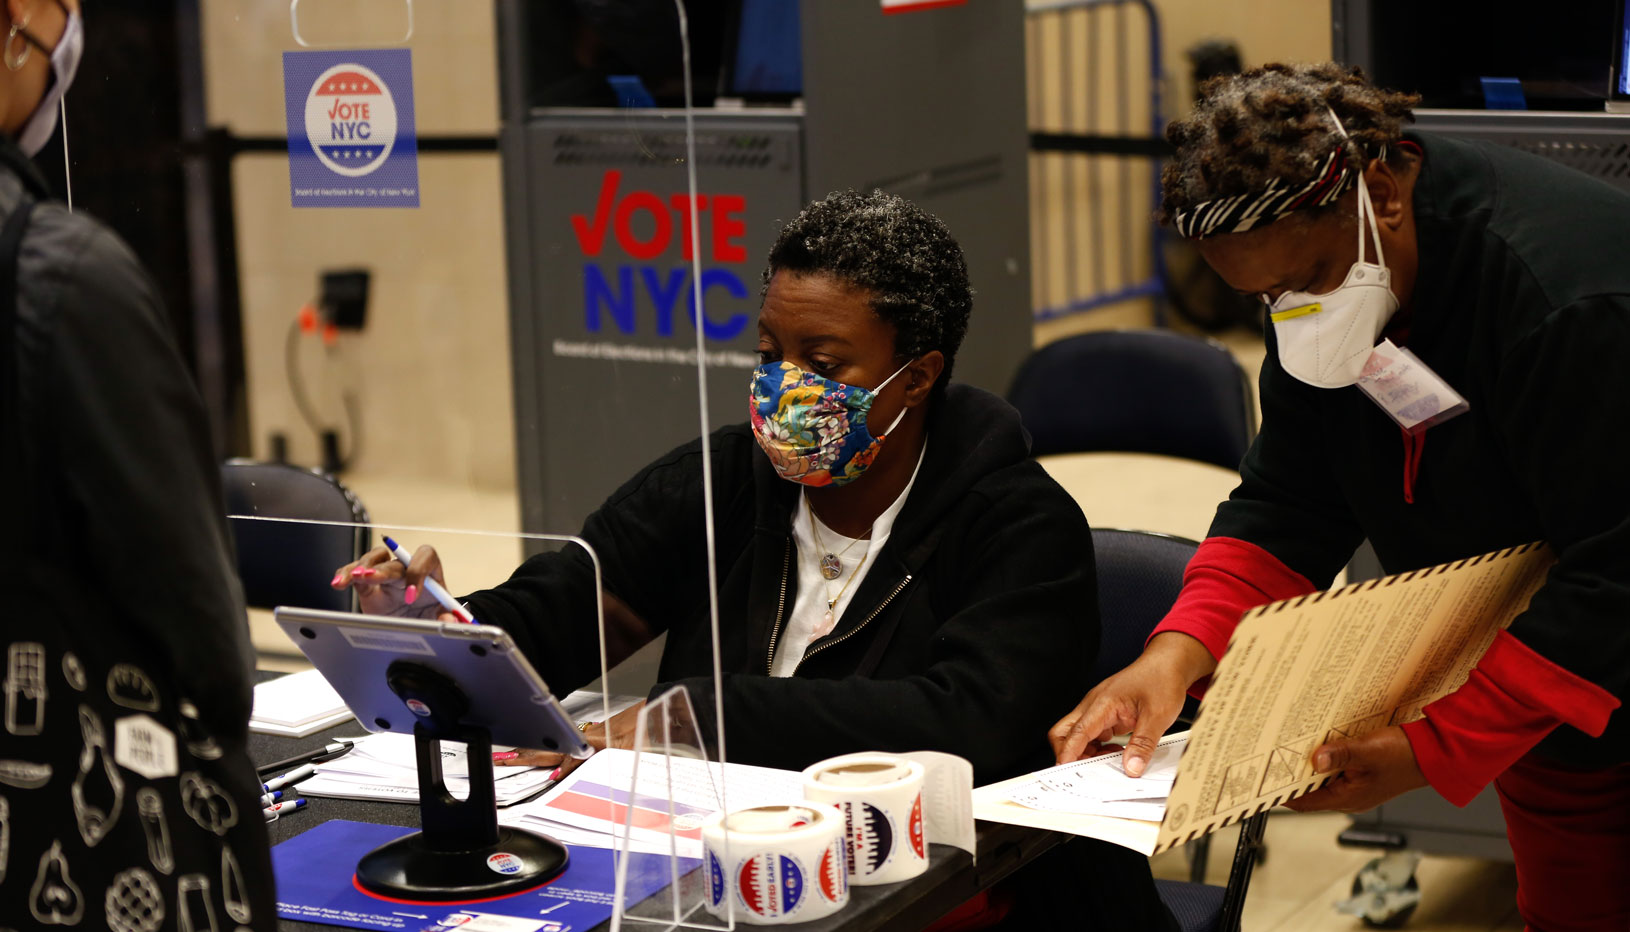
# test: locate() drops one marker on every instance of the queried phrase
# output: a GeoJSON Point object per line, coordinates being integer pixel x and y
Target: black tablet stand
{"type": "Point", "coordinates": [459, 853]}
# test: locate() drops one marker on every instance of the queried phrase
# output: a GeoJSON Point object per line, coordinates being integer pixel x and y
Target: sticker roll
{"type": "Point", "coordinates": [880, 797]}
{"type": "Point", "coordinates": [783, 864]}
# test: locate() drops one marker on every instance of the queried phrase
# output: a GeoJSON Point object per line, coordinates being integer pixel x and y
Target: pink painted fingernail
{"type": "Point", "coordinates": [412, 593]}
{"type": "Point", "coordinates": [363, 571]}
{"type": "Point", "coordinates": [554, 774]}
{"type": "Point", "coordinates": [505, 755]}
{"type": "Point", "coordinates": [338, 578]}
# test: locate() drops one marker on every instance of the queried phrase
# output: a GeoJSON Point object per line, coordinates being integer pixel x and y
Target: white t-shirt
{"type": "Point", "coordinates": [803, 626]}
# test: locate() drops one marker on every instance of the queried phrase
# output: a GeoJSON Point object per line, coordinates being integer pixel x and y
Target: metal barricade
{"type": "Point", "coordinates": [1095, 149]}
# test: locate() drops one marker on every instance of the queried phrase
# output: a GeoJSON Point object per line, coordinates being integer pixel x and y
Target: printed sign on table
{"type": "Point", "coordinates": [352, 141]}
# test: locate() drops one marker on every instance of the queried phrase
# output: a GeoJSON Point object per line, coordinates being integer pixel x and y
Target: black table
{"type": "Point", "coordinates": [951, 878]}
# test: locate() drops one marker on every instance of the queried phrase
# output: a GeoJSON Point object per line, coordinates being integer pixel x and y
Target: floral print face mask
{"type": "Point", "coordinates": [812, 428]}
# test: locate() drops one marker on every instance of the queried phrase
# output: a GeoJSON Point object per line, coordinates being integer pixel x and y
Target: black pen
{"type": "Point", "coordinates": [317, 756]}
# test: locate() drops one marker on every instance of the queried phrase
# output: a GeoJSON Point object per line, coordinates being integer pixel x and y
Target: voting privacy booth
{"type": "Point", "coordinates": [929, 106]}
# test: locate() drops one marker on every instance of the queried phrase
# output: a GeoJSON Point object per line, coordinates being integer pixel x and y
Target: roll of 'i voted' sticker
{"type": "Point", "coordinates": [881, 799]}
{"type": "Point", "coordinates": [773, 865]}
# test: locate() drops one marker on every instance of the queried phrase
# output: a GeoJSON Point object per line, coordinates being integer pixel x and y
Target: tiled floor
{"type": "Point", "coordinates": [1305, 872]}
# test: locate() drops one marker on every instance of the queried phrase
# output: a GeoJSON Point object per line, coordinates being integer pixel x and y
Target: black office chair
{"type": "Point", "coordinates": [1137, 391]}
{"type": "Point", "coordinates": [282, 563]}
{"type": "Point", "coordinates": [1139, 576]}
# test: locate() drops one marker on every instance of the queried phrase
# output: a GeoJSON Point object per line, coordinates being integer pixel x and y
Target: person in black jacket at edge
{"type": "Point", "coordinates": [895, 572]}
{"type": "Point", "coordinates": [1506, 275]}
{"type": "Point", "coordinates": [127, 798]}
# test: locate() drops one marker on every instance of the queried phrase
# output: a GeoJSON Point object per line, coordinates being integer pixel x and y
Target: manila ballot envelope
{"type": "Point", "coordinates": [1297, 673]}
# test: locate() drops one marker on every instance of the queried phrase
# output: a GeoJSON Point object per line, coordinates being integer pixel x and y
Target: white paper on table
{"type": "Point", "coordinates": [1103, 779]}
{"type": "Point", "coordinates": [587, 706]}
{"type": "Point", "coordinates": [1033, 796]}
{"type": "Point", "coordinates": [573, 835]}
{"type": "Point", "coordinates": [299, 731]}
{"type": "Point", "coordinates": [297, 705]}
{"type": "Point", "coordinates": [405, 787]}
{"type": "Point", "coordinates": [693, 787]}
{"type": "Point", "coordinates": [947, 799]}
{"type": "Point", "coordinates": [384, 766]}
{"type": "Point", "coordinates": [389, 750]}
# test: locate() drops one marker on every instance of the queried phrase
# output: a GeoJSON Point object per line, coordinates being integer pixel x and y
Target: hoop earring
{"type": "Point", "coordinates": [14, 61]}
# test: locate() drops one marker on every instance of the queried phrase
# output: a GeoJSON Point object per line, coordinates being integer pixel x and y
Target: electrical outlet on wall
{"type": "Point", "coordinates": [343, 297]}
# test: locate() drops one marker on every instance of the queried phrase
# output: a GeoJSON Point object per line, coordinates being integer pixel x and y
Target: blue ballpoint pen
{"type": "Point", "coordinates": [430, 585]}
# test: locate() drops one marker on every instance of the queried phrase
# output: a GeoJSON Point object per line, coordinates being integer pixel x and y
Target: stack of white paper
{"type": "Point", "coordinates": [1100, 786]}
{"type": "Point", "coordinates": [384, 767]}
{"type": "Point", "coordinates": [297, 705]}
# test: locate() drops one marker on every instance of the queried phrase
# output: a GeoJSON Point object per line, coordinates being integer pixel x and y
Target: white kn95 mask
{"type": "Point", "coordinates": [1325, 339]}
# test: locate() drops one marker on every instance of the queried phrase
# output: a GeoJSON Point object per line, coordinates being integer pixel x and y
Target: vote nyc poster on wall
{"type": "Point", "coordinates": [350, 124]}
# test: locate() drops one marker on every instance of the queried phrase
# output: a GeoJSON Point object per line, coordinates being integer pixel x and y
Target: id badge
{"type": "Point", "coordinates": [1410, 392]}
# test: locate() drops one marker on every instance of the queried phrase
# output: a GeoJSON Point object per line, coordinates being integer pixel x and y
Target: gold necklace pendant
{"type": "Point", "coordinates": [831, 566]}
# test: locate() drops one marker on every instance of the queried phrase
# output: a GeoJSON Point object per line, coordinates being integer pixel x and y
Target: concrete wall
{"type": "Point", "coordinates": [430, 371]}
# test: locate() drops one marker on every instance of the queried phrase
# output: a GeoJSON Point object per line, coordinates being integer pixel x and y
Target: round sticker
{"type": "Point", "coordinates": [916, 828]}
{"type": "Point", "coordinates": [504, 863]}
{"type": "Point", "coordinates": [350, 119]}
{"type": "Point", "coordinates": [834, 872]}
{"type": "Point", "coordinates": [871, 837]}
{"type": "Point", "coordinates": [715, 872]}
{"type": "Point", "coordinates": [770, 885]}
{"type": "Point", "coordinates": [417, 707]}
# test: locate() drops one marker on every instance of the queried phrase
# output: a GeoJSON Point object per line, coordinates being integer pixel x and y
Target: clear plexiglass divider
{"type": "Point", "coordinates": [673, 787]}
{"type": "Point", "coordinates": [294, 563]}
{"type": "Point", "coordinates": [671, 770]}
{"type": "Point", "coordinates": [643, 802]}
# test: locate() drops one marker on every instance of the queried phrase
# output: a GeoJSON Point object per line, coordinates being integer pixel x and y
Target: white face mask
{"type": "Point", "coordinates": [64, 63]}
{"type": "Point", "coordinates": [1324, 339]}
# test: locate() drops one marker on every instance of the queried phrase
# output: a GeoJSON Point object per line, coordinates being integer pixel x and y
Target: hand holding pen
{"type": "Point", "coordinates": [389, 581]}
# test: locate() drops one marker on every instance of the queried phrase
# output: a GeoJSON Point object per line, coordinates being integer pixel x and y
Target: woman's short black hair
{"type": "Point", "coordinates": [901, 255]}
{"type": "Point", "coordinates": [1273, 122]}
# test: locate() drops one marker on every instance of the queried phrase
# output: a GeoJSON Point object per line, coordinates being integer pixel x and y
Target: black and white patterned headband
{"type": "Point", "coordinates": [1251, 210]}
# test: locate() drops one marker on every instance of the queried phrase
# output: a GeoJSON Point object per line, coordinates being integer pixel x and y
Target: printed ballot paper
{"type": "Point", "coordinates": [591, 806]}
{"type": "Point", "coordinates": [1297, 673]}
{"type": "Point", "coordinates": [384, 767]}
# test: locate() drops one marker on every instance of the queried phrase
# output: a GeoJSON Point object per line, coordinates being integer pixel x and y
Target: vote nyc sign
{"type": "Point", "coordinates": [350, 126]}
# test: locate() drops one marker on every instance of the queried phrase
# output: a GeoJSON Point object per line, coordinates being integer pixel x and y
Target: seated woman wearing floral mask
{"type": "Point", "coordinates": [895, 572]}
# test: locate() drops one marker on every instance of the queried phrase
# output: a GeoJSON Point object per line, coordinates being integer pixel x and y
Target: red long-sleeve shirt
{"type": "Point", "coordinates": [1513, 699]}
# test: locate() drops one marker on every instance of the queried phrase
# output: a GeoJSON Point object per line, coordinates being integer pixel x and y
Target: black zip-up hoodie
{"type": "Point", "coordinates": [970, 633]}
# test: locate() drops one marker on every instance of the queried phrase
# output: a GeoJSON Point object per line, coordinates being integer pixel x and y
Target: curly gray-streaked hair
{"type": "Point", "coordinates": [903, 256]}
{"type": "Point", "coordinates": [1271, 122]}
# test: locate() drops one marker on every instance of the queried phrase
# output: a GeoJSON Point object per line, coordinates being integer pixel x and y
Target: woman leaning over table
{"type": "Point", "coordinates": [1505, 274]}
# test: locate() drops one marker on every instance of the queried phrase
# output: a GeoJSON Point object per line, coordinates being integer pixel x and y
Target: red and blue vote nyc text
{"type": "Point", "coordinates": [642, 226]}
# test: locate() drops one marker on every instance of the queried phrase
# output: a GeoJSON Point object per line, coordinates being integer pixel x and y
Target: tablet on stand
{"type": "Point", "coordinates": [443, 682]}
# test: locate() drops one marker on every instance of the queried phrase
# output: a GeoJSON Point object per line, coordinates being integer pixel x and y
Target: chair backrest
{"type": "Point", "coordinates": [291, 564]}
{"type": "Point", "coordinates": [1139, 576]}
{"type": "Point", "coordinates": [1137, 391]}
